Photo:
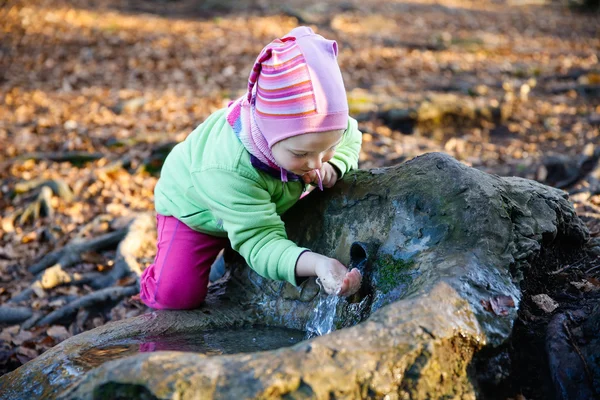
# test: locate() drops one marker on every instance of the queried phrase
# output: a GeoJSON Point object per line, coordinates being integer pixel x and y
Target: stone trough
{"type": "Point", "coordinates": [442, 248]}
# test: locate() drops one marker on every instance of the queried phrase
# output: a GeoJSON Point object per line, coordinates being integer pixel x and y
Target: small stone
{"type": "Point", "coordinates": [545, 302]}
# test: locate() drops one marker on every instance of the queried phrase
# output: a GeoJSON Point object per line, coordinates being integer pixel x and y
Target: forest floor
{"type": "Point", "coordinates": [93, 94]}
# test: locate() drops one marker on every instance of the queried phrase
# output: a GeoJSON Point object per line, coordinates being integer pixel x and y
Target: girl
{"type": "Point", "coordinates": [235, 174]}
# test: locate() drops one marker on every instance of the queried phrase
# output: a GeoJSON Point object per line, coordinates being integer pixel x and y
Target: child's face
{"type": "Point", "coordinates": [303, 153]}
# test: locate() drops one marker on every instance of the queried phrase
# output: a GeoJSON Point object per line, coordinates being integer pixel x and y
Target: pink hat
{"type": "Point", "coordinates": [297, 87]}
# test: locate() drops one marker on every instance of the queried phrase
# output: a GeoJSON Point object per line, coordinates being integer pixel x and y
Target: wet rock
{"type": "Point", "coordinates": [435, 240]}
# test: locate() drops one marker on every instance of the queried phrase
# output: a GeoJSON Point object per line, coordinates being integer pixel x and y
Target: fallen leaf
{"type": "Point", "coordinates": [22, 337]}
{"type": "Point", "coordinates": [8, 224]}
{"type": "Point", "coordinates": [594, 281]}
{"type": "Point", "coordinates": [46, 343]}
{"type": "Point", "coordinates": [5, 335]}
{"type": "Point", "coordinates": [58, 332]}
{"type": "Point", "coordinates": [499, 305]}
{"type": "Point", "coordinates": [27, 352]}
{"type": "Point", "coordinates": [127, 281]}
{"type": "Point", "coordinates": [545, 302]}
{"type": "Point", "coordinates": [586, 286]}
{"type": "Point", "coordinates": [30, 237]}
{"type": "Point", "coordinates": [38, 290]}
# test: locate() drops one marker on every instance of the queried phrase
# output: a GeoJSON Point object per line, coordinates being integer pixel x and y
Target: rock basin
{"type": "Point", "coordinates": [441, 245]}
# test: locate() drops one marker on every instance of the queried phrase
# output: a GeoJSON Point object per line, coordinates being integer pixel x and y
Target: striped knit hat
{"type": "Point", "coordinates": [295, 87]}
{"type": "Point", "coordinates": [299, 87]}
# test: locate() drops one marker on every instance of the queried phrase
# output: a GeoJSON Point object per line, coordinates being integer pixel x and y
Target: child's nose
{"type": "Point", "coordinates": [315, 163]}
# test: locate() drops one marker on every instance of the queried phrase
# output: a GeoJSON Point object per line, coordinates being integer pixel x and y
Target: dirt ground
{"type": "Point", "coordinates": [93, 94]}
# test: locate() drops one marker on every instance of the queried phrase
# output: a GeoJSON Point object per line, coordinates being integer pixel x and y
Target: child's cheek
{"type": "Point", "coordinates": [329, 156]}
{"type": "Point", "coordinates": [297, 163]}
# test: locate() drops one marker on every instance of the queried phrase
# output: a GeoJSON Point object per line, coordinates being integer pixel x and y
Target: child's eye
{"type": "Point", "coordinates": [299, 155]}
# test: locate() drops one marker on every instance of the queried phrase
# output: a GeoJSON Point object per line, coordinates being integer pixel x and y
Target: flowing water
{"type": "Point", "coordinates": [321, 321]}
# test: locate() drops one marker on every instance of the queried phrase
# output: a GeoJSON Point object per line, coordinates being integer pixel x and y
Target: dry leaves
{"type": "Point", "coordinates": [499, 305]}
{"type": "Point", "coordinates": [545, 302]}
{"type": "Point", "coordinates": [587, 285]}
{"type": "Point", "coordinates": [24, 345]}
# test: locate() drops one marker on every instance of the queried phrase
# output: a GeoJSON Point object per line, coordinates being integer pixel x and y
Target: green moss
{"type": "Point", "coordinates": [391, 272]}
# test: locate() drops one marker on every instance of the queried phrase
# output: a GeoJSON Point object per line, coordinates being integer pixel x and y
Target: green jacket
{"type": "Point", "coordinates": [209, 183]}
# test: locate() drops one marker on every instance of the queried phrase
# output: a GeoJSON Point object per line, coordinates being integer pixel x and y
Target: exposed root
{"type": "Point", "coordinates": [154, 161]}
{"type": "Point", "coordinates": [40, 207]}
{"type": "Point", "coordinates": [138, 235]}
{"type": "Point", "coordinates": [108, 295]}
{"type": "Point", "coordinates": [131, 240]}
{"type": "Point", "coordinates": [30, 323]}
{"type": "Point", "coordinates": [578, 351]}
{"type": "Point", "coordinates": [53, 271]}
{"type": "Point", "coordinates": [14, 315]}
{"type": "Point", "coordinates": [74, 157]}
{"type": "Point", "coordinates": [59, 187]}
{"type": "Point", "coordinates": [71, 253]}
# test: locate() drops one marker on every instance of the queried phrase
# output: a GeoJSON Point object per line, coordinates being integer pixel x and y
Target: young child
{"type": "Point", "coordinates": [237, 172]}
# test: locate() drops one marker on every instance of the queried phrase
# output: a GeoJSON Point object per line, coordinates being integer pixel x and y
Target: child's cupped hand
{"type": "Point", "coordinates": [335, 277]}
{"type": "Point", "coordinates": [328, 176]}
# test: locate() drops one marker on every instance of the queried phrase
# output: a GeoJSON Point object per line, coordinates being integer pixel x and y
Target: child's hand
{"type": "Point", "coordinates": [328, 176]}
{"type": "Point", "coordinates": [334, 276]}
{"type": "Point", "coordinates": [336, 279]}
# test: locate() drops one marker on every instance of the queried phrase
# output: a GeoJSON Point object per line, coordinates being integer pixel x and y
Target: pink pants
{"type": "Point", "coordinates": [178, 279]}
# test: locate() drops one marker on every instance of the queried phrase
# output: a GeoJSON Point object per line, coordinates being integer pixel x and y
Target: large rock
{"type": "Point", "coordinates": [442, 247]}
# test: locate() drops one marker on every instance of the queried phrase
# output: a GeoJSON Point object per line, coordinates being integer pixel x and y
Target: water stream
{"type": "Point", "coordinates": [321, 321]}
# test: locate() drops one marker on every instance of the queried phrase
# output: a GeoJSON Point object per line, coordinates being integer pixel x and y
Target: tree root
{"type": "Point", "coordinates": [52, 271]}
{"type": "Point", "coordinates": [42, 205]}
{"type": "Point", "coordinates": [30, 323]}
{"type": "Point", "coordinates": [154, 161]}
{"type": "Point", "coordinates": [74, 157]}
{"type": "Point", "coordinates": [590, 90]}
{"type": "Point", "coordinates": [59, 187]}
{"type": "Point", "coordinates": [14, 315]}
{"type": "Point", "coordinates": [108, 295]}
{"type": "Point", "coordinates": [125, 263]}
{"type": "Point", "coordinates": [53, 265]}
{"type": "Point", "coordinates": [586, 367]}
{"type": "Point", "coordinates": [71, 253]}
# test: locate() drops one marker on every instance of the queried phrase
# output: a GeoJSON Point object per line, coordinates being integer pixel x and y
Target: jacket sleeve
{"type": "Point", "coordinates": [249, 217]}
{"type": "Point", "coordinates": [346, 155]}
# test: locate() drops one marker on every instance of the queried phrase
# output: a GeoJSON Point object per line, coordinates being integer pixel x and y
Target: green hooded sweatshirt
{"type": "Point", "coordinates": [209, 183]}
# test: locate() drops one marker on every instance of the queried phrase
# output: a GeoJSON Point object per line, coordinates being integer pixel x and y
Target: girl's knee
{"type": "Point", "coordinates": [181, 303]}
{"type": "Point", "coordinates": [172, 297]}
